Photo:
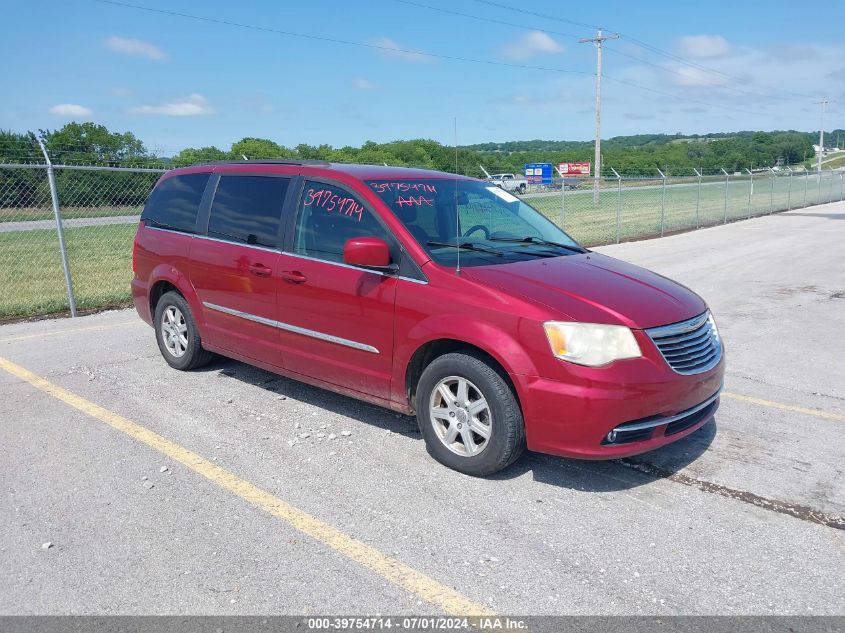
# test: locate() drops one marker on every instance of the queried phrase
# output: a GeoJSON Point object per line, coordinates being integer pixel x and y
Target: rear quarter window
{"type": "Point", "coordinates": [174, 203]}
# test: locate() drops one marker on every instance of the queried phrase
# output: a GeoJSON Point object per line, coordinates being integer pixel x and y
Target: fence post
{"type": "Point", "coordinates": [819, 194]}
{"type": "Point", "coordinates": [789, 195]}
{"type": "Point", "coordinates": [698, 199]}
{"type": "Point", "coordinates": [662, 203]}
{"type": "Point", "coordinates": [841, 186]}
{"type": "Point", "coordinates": [726, 194]}
{"type": "Point", "coordinates": [750, 191]}
{"type": "Point", "coordinates": [562, 199]}
{"type": "Point", "coordinates": [54, 198]}
{"type": "Point", "coordinates": [806, 184]}
{"type": "Point", "coordinates": [618, 204]}
{"type": "Point", "coordinates": [772, 191]}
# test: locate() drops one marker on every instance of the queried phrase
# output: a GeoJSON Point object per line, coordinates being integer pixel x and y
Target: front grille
{"type": "Point", "coordinates": [690, 347]}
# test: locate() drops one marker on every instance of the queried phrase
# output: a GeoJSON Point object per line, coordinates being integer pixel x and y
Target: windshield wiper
{"type": "Point", "coordinates": [530, 239]}
{"type": "Point", "coordinates": [468, 246]}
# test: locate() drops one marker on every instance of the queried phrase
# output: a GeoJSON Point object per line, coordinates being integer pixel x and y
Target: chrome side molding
{"type": "Point", "coordinates": [287, 327]}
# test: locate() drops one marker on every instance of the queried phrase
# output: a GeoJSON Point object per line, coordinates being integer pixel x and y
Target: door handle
{"type": "Point", "coordinates": [293, 276]}
{"type": "Point", "coordinates": [260, 270]}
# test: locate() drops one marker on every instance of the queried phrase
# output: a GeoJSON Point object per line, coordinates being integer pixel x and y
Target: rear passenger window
{"type": "Point", "coordinates": [248, 209]}
{"type": "Point", "coordinates": [173, 204]}
{"type": "Point", "coordinates": [327, 217]}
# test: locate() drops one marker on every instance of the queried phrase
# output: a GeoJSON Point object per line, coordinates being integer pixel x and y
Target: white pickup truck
{"type": "Point", "coordinates": [509, 182]}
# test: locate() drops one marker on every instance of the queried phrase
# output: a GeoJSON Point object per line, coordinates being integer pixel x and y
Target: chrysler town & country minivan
{"type": "Point", "coordinates": [431, 294]}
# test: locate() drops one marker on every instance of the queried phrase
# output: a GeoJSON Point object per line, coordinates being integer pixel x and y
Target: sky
{"type": "Point", "coordinates": [344, 72]}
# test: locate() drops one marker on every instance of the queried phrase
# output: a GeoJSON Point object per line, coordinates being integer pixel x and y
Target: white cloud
{"type": "Point", "coordinates": [690, 76]}
{"type": "Point", "coordinates": [136, 48]}
{"type": "Point", "coordinates": [71, 109]}
{"type": "Point", "coordinates": [194, 105]}
{"type": "Point", "coordinates": [389, 48]}
{"type": "Point", "coordinates": [531, 44]}
{"type": "Point", "coordinates": [359, 83]}
{"type": "Point", "coordinates": [704, 46]}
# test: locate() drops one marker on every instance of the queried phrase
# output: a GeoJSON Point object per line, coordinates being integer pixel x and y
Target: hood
{"type": "Point", "coordinates": [593, 288]}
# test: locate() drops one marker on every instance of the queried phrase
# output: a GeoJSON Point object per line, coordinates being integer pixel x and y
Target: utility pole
{"type": "Point", "coordinates": [598, 40]}
{"type": "Point", "coordinates": [823, 103]}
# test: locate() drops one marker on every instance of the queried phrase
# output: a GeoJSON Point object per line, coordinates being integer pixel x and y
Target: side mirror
{"type": "Point", "coordinates": [368, 252]}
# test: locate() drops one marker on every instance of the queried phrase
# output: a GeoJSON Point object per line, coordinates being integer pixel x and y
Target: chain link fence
{"type": "Point", "coordinates": [92, 225]}
{"type": "Point", "coordinates": [637, 208]}
{"type": "Point", "coordinates": [91, 229]}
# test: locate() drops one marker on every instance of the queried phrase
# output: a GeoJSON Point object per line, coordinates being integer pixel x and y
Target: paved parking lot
{"type": "Point", "coordinates": [232, 490]}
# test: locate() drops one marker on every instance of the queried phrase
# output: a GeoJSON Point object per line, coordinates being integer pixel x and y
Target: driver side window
{"type": "Point", "coordinates": [326, 217]}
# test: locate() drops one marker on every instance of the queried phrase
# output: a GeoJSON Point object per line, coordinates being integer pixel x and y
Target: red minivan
{"type": "Point", "coordinates": [431, 294]}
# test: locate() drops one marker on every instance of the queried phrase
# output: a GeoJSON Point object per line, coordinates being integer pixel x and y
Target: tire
{"type": "Point", "coordinates": [172, 315]}
{"type": "Point", "coordinates": [521, 188]}
{"type": "Point", "coordinates": [439, 420]}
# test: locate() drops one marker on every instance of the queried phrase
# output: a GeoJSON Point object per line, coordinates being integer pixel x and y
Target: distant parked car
{"type": "Point", "coordinates": [509, 182]}
{"type": "Point", "coordinates": [431, 294]}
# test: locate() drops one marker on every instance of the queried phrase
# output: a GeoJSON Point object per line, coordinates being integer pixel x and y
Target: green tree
{"type": "Point", "coordinates": [90, 143]}
{"type": "Point", "coordinates": [254, 148]}
{"type": "Point", "coordinates": [196, 156]}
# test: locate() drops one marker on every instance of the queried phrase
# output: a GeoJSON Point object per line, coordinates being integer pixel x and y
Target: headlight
{"type": "Point", "coordinates": [591, 344]}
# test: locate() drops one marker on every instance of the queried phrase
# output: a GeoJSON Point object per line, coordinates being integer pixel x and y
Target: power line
{"type": "Point", "coordinates": [645, 45]}
{"type": "Point", "coordinates": [390, 49]}
{"type": "Point", "coordinates": [663, 68]}
{"type": "Point", "coordinates": [484, 19]}
{"type": "Point", "coordinates": [332, 40]}
{"type": "Point", "coordinates": [498, 5]}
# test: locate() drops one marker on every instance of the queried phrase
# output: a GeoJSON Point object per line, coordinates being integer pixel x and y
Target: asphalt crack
{"type": "Point", "coordinates": [797, 511]}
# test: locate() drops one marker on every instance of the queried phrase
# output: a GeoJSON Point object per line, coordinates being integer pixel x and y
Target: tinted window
{"type": "Point", "coordinates": [174, 202]}
{"type": "Point", "coordinates": [248, 209]}
{"type": "Point", "coordinates": [327, 217]}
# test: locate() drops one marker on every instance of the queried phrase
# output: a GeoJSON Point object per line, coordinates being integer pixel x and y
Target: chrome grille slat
{"type": "Point", "coordinates": [684, 338]}
{"type": "Point", "coordinates": [689, 347]}
{"type": "Point", "coordinates": [701, 338]}
{"type": "Point", "coordinates": [679, 356]}
{"type": "Point", "coordinates": [703, 360]}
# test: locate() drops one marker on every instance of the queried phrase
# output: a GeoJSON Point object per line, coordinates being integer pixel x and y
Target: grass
{"type": "Point", "coordinates": [32, 280]}
{"type": "Point", "coordinates": [640, 206]}
{"type": "Point", "coordinates": [31, 276]}
{"type": "Point", "coordinates": [834, 163]}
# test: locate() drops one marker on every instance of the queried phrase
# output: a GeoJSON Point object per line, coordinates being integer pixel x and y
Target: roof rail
{"type": "Point", "coordinates": [270, 161]}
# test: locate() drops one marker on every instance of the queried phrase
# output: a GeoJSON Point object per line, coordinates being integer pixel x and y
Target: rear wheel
{"type": "Point", "coordinates": [468, 415]}
{"type": "Point", "coordinates": [522, 188]}
{"type": "Point", "coordinates": [177, 334]}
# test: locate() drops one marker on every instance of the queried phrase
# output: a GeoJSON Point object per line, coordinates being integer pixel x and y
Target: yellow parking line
{"type": "Point", "coordinates": [785, 407]}
{"type": "Point", "coordinates": [25, 337]}
{"type": "Point", "coordinates": [389, 568]}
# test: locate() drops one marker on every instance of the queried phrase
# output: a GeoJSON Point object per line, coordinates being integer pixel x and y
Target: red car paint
{"type": "Point", "coordinates": [568, 409]}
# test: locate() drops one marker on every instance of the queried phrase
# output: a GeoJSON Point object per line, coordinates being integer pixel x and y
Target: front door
{"type": "Point", "coordinates": [336, 320]}
{"type": "Point", "coordinates": [234, 267]}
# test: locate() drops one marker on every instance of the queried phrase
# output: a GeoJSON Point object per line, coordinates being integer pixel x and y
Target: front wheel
{"type": "Point", "coordinates": [177, 334]}
{"type": "Point", "coordinates": [468, 415]}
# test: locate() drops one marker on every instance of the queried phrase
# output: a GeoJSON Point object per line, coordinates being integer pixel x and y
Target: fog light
{"type": "Point", "coordinates": [611, 437]}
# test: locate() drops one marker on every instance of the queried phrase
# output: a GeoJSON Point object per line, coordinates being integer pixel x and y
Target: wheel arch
{"type": "Point", "coordinates": [166, 278]}
{"type": "Point", "coordinates": [437, 347]}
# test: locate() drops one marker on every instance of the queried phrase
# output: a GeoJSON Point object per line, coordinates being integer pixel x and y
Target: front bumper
{"type": "Point", "coordinates": [643, 400]}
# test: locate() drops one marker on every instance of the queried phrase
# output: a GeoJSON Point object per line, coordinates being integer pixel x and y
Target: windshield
{"type": "Point", "coordinates": [486, 224]}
